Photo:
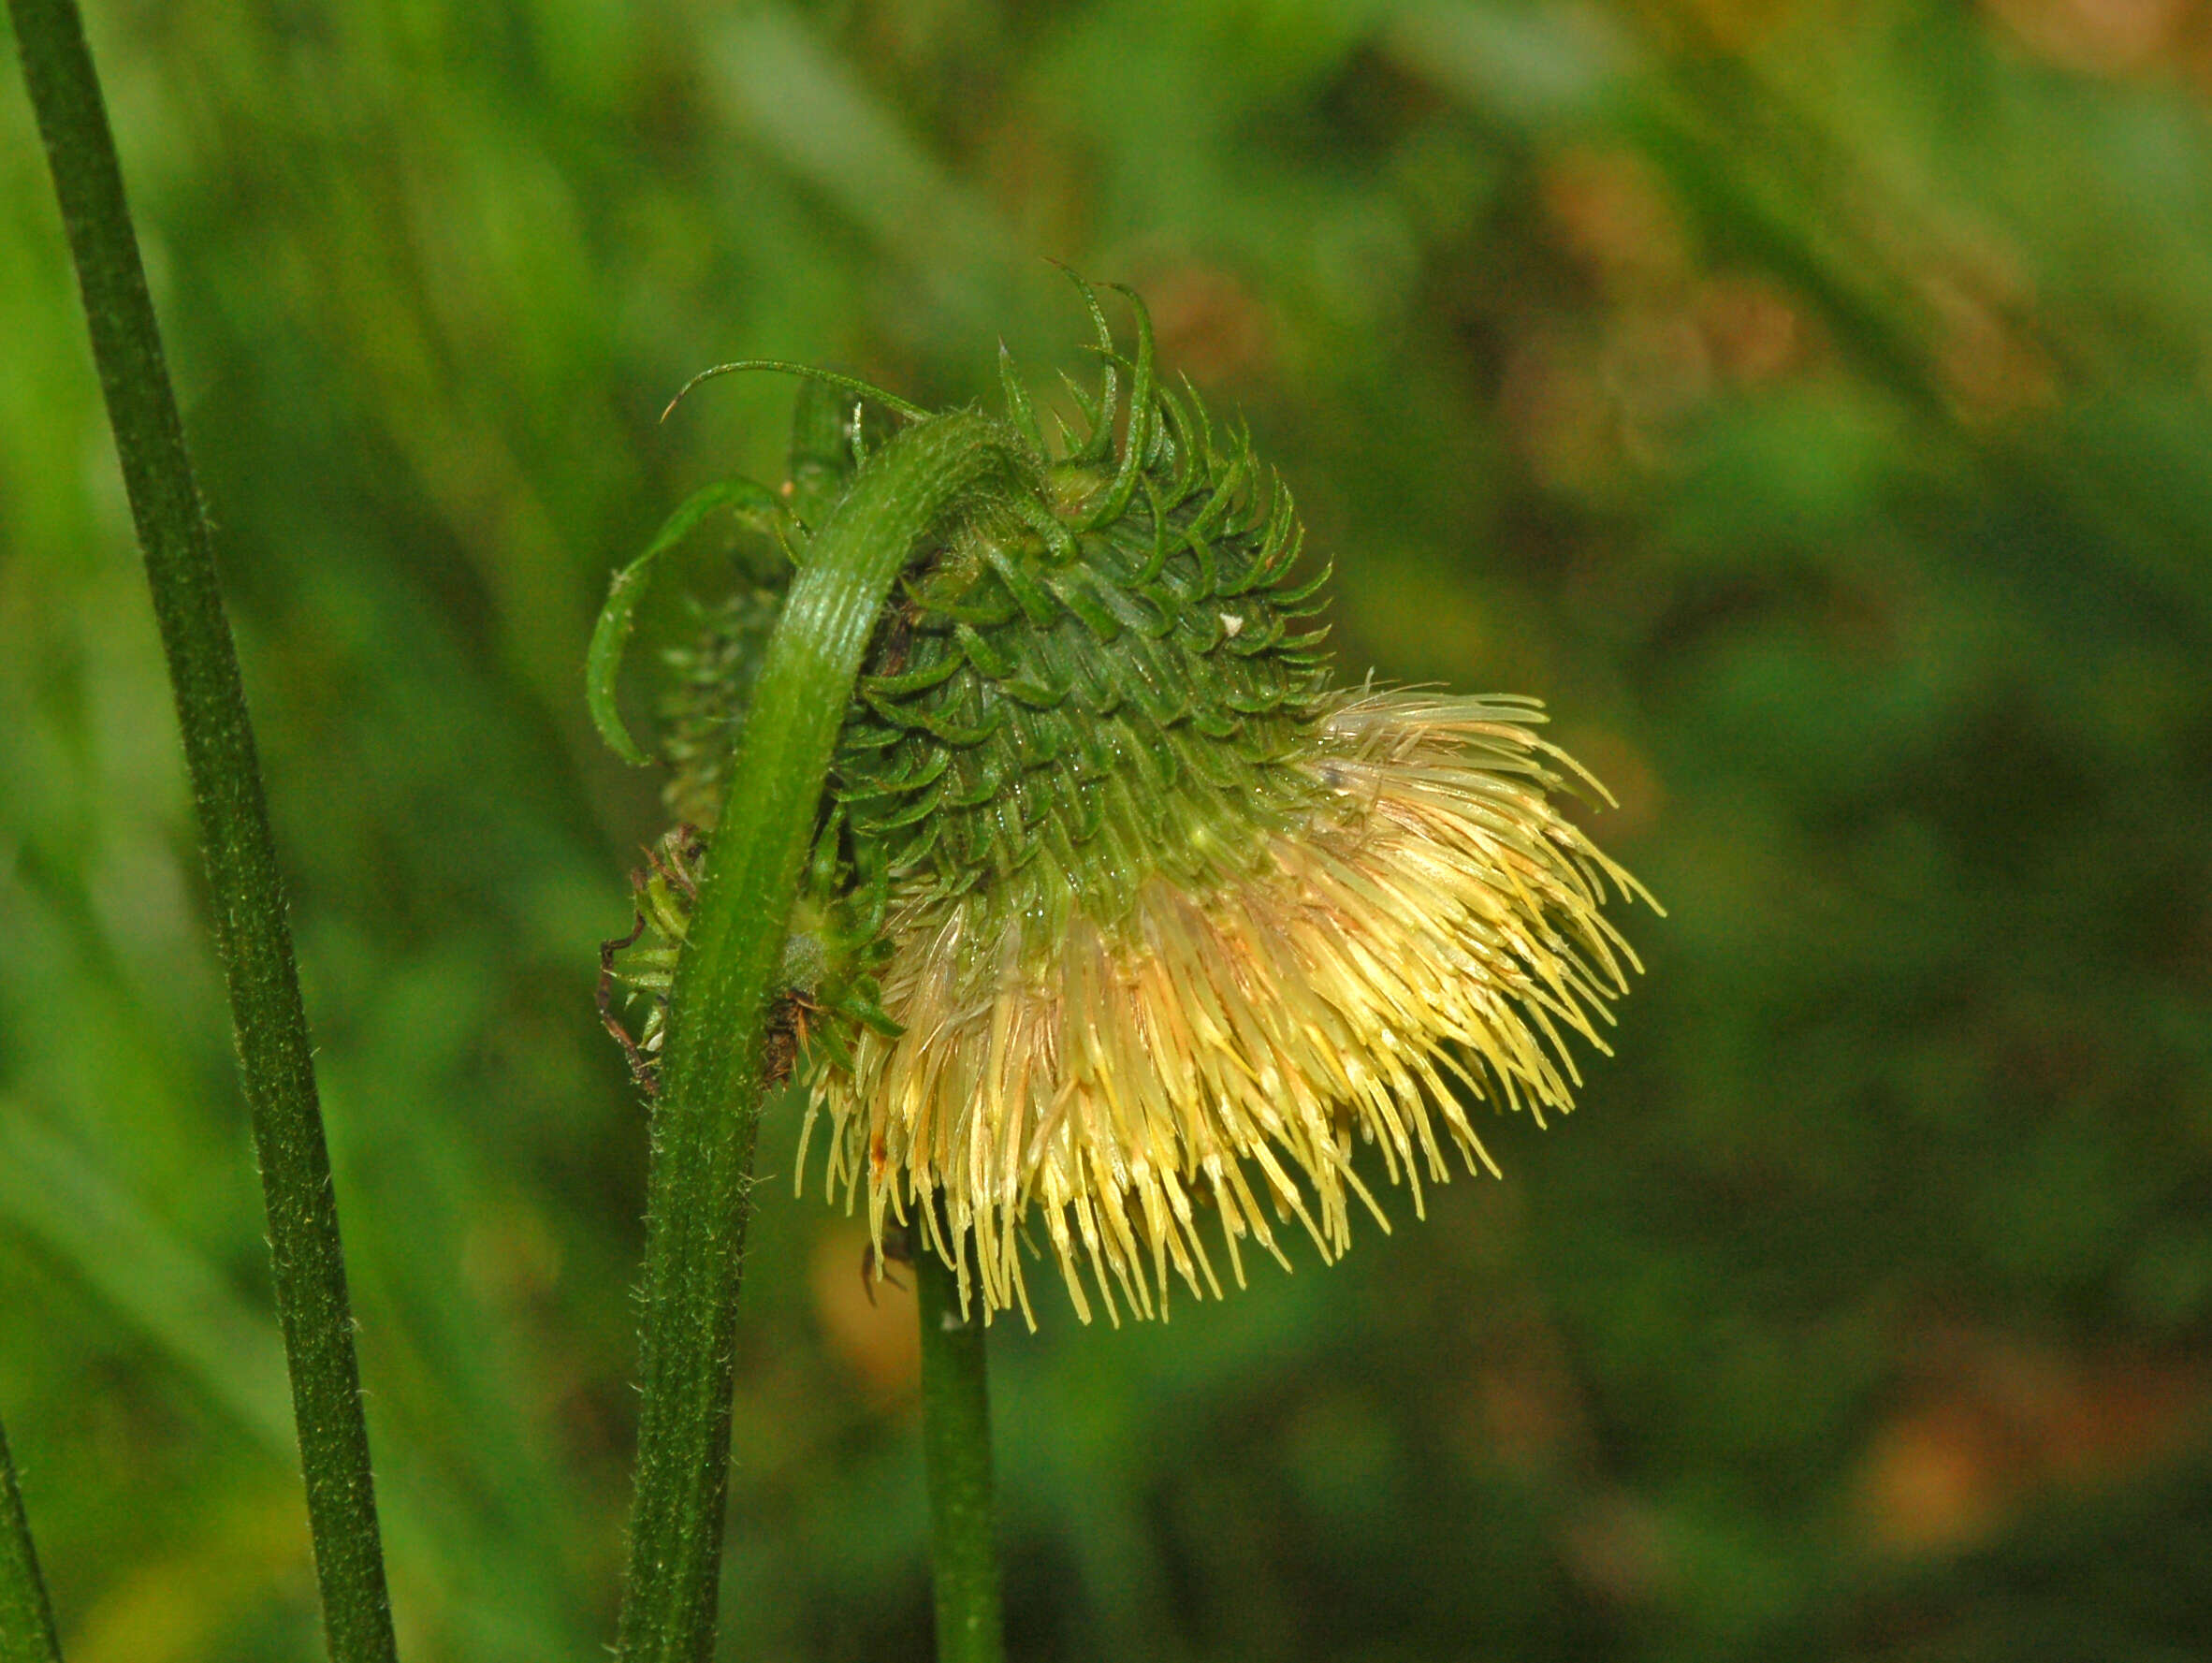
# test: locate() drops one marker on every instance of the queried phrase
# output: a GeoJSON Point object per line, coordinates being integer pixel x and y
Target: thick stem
{"type": "Point", "coordinates": [956, 1449]}
{"type": "Point", "coordinates": [251, 933]}
{"type": "Point", "coordinates": [708, 1109]}
{"type": "Point", "coordinates": [26, 1619]}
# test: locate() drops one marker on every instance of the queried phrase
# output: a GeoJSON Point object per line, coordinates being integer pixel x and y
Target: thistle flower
{"type": "Point", "coordinates": [1123, 916]}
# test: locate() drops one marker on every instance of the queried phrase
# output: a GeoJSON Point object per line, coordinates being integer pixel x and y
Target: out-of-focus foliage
{"type": "Point", "coordinates": [1813, 401]}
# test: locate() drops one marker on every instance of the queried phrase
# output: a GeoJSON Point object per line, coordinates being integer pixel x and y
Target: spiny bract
{"type": "Point", "coordinates": [1120, 912]}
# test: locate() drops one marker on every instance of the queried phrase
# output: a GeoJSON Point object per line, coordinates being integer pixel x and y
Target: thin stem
{"type": "Point", "coordinates": [708, 1109]}
{"type": "Point", "coordinates": [26, 1617]}
{"type": "Point", "coordinates": [956, 1449]}
{"type": "Point", "coordinates": [251, 934]}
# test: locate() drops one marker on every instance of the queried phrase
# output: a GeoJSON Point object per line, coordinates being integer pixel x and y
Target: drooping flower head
{"type": "Point", "coordinates": [1127, 926]}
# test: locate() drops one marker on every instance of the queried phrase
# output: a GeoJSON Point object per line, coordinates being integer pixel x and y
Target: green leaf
{"type": "Point", "coordinates": [755, 506]}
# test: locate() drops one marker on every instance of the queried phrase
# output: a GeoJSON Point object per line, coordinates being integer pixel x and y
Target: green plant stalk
{"type": "Point", "coordinates": [711, 1083]}
{"type": "Point", "coordinates": [26, 1616]}
{"type": "Point", "coordinates": [956, 1450]}
{"type": "Point", "coordinates": [251, 934]}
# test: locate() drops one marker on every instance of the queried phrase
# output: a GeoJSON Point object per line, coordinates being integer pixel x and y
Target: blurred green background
{"type": "Point", "coordinates": [1812, 401]}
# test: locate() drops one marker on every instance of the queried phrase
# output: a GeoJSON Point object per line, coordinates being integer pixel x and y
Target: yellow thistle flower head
{"type": "Point", "coordinates": [1127, 927]}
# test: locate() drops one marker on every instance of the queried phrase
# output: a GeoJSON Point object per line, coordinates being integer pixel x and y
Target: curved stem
{"type": "Point", "coordinates": [251, 934]}
{"type": "Point", "coordinates": [708, 1108]}
{"type": "Point", "coordinates": [27, 1618]}
{"type": "Point", "coordinates": [956, 1449]}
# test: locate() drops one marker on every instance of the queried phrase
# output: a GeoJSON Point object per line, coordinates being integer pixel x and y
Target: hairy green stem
{"type": "Point", "coordinates": [711, 1087]}
{"type": "Point", "coordinates": [27, 1618]}
{"type": "Point", "coordinates": [956, 1449]}
{"type": "Point", "coordinates": [251, 933]}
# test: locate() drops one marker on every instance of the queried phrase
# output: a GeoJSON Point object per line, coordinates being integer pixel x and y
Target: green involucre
{"type": "Point", "coordinates": [1098, 673]}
